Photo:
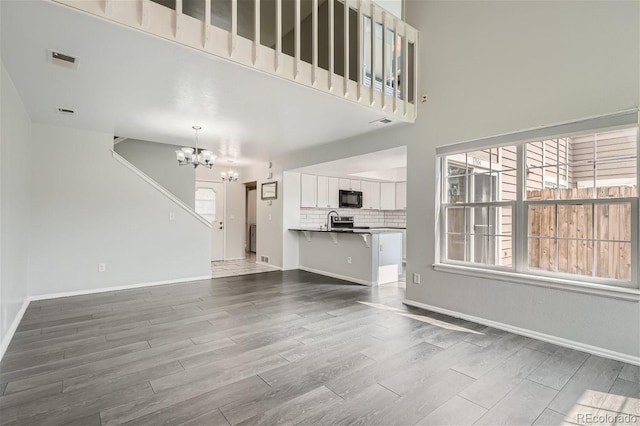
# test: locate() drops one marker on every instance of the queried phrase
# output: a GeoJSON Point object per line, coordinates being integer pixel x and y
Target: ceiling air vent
{"type": "Point", "coordinates": [66, 111]}
{"type": "Point", "coordinates": [63, 59]}
{"type": "Point", "coordinates": [384, 120]}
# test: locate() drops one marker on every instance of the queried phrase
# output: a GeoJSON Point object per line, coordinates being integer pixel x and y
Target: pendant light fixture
{"type": "Point", "coordinates": [197, 156]}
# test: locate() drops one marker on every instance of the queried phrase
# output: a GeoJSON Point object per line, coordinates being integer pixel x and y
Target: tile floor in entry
{"type": "Point", "coordinates": [232, 268]}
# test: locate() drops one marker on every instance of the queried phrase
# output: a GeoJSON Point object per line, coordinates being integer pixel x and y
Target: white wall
{"type": "Point", "coordinates": [497, 67]}
{"type": "Point", "coordinates": [158, 161]}
{"type": "Point", "coordinates": [16, 159]}
{"type": "Point", "coordinates": [98, 211]}
{"type": "Point", "coordinates": [235, 209]}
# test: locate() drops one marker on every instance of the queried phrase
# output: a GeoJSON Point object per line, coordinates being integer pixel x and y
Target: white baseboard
{"type": "Point", "coordinates": [338, 276]}
{"type": "Point", "coordinates": [572, 344]}
{"type": "Point", "coordinates": [269, 265]}
{"type": "Point", "coordinates": [12, 329]}
{"type": "Point", "coordinates": [116, 288]}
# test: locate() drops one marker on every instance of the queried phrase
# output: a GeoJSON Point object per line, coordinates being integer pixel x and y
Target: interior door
{"type": "Point", "coordinates": [210, 199]}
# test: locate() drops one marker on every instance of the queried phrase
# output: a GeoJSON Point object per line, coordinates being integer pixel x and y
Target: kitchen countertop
{"type": "Point", "coordinates": [351, 231]}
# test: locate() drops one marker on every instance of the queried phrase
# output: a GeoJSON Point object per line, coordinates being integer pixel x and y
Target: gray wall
{"type": "Point", "coordinates": [85, 213]}
{"type": "Point", "coordinates": [14, 204]}
{"type": "Point", "coordinates": [497, 67]}
{"type": "Point", "coordinates": [158, 161]}
{"type": "Point", "coordinates": [517, 65]}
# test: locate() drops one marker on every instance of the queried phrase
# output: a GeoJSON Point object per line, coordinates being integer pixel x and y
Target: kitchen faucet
{"type": "Point", "coordinates": [329, 218]}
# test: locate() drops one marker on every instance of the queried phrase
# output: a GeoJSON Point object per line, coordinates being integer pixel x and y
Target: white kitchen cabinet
{"type": "Point", "coordinates": [370, 195]}
{"type": "Point", "coordinates": [387, 196]}
{"type": "Point", "coordinates": [350, 185]}
{"type": "Point", "coordinates": [308, 191]}
{"type": "Point", "coordinates": [333, 193]}
{"type": "Point", "coordinates": [401, 196]}
{"type": "Point", "coordinates": [322, 197]}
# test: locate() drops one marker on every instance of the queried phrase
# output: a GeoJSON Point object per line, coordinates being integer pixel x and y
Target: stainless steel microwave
{"type": "Point", "coordinates": [350, 199]}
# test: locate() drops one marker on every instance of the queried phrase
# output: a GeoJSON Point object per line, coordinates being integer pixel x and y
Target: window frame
{"type": "Point", "coordinates": [520, 210]}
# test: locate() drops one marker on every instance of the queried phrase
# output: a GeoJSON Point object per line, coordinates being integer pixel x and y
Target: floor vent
{"type": "Point", "coordinates": [63, 59]}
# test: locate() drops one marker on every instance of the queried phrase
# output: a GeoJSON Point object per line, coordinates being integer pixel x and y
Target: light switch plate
{"type": "Point", "coordinates": [102, 267]}
{"type": "Point", "coordinates": [416, 278]}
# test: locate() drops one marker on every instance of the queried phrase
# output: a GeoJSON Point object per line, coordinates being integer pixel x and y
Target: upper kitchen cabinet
{"type": "Point", "coordinates": [319, 191]}
{"type": "Point", "coordinates": [370, 195]}
{"type": "Point", "coordinates": [334, 193]}
{"type": "Point", "coordinates": [350, 185]}
{"type": "Point", "coordinates": [309, 188]}
{"type": "Point", "coordinates": [401, 196]}
{"type": "Point", "coordinates": [387, 196]}
{"type": "Point", "coordinates": [327, 192]}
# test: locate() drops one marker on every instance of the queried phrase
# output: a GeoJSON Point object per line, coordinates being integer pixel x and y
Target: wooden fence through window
{"type": "Point", "coordinates": [573, 251]}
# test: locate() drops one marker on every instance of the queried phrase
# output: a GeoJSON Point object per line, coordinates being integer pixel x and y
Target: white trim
{"type": "Point", "coordinates": [338, 276]}
{"type": "Point", "coordinates": [277, 268]}
{"type": "Point", "coordinates": [12, 329]}
{"type": "Point", "coordinates": [119, 140]}
{"type": "Point", "coordinates": [622, 293]}
{"type": "Point", "coordinates": [160, 189]}
{"type": "Point", "coordinates": [573, 127]}
{"type": "Point", "coordinates": [572, 344]}
{"type": "Point", "coordinates": [117, 288]}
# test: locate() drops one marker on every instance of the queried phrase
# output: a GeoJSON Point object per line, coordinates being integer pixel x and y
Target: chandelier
{"type": "Point", "coordinates": [229, 176]}
{"type": "Point", "coordinates": [196, 157]}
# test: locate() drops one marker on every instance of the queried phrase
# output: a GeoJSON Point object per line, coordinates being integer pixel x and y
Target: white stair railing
{"type": "Point", "coordinates": [368, 55]}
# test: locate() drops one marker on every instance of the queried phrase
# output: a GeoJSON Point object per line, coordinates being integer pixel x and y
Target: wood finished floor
{"type": "Point", "coordinates": [290, 348]}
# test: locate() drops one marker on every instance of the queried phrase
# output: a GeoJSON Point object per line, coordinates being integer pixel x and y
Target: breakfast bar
{"type": "Point", "coordinates": [363, 256]}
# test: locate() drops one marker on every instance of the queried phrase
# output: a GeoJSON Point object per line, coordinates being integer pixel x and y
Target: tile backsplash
{"type": "Point", "coordinates": [314, 218]}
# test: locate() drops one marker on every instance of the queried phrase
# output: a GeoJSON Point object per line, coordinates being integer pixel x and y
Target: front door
{"type": "Point", "coordinates": [210, 205]}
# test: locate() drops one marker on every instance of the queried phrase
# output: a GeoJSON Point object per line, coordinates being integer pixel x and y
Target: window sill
{"type": "Point", "coordinates": [613, 292]}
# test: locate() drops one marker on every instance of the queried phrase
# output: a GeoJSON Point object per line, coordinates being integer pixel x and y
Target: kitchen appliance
{"type": "Point", "coordinates": [341, 222]}
{"type": "Point", "coordinates": [350, 199]}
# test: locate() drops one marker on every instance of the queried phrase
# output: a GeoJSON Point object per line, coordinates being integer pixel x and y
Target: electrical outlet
{"type": "Point", "coordinates": [349, 260]}
{"type": "Point", "coordinates": [416, 278]}
{"type": "Point", "coordinates": [172, 216]}
{"type": "Point", "coordinates": [102, 267]}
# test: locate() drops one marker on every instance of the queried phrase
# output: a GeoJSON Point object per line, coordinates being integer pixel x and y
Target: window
{"type": "Point", "coordinates": [563, 207]}
{"type": "Point", "coordinates": [206, 203]}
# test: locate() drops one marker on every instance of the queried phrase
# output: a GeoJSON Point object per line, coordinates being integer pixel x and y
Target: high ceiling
{"type": "Point", "coordinates": [139, 86]}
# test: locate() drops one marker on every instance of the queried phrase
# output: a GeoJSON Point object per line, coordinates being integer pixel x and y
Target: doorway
{"type": "Point", "coordinates": [252, 218]}
{"type": "Point", "coordinates": [210, 199]}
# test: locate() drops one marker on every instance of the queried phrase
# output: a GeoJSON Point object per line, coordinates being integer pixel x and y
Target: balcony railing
{"type": "Point", "coordinates": [352, 49]}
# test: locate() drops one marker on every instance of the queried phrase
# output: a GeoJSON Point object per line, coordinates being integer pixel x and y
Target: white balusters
{"type": "Point", "coordinates": [278, 51]}
{"type": "Point", "coordinates": [207, 23]}
{"type": "Point", "coordinates": [296, 57]}
{"type": "Point", "coordinates": [256, 35]}
{"type": "Point", "coordinates": [234, 27]}
{"type": "Point", "coordinates": [347, 65]}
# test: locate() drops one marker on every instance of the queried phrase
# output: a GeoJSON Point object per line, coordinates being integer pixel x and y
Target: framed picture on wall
{"type": "Point", "coordinates": [270, 191]}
